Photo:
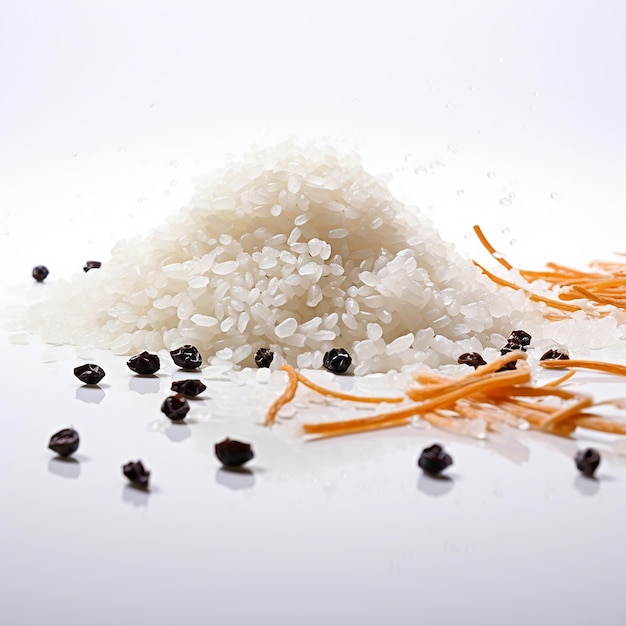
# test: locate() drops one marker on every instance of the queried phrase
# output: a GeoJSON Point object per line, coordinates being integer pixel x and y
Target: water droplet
{"type": "Point", "coordinates": [472, 87]}
{"type": "Point", "coordinates": [535, 93]}
{"type": "Point", "coordinates": [554, 195]}
{"type": "Point", "coordinates": [152, 104]}
{"type": "Point", "coordinates": [505, 231]}
{"type": "Point", "coordinates": [448, 105]}
{"type": "Point", "coordinates": [131, 214]}
{"type": "Point", "coordinates": [513, 242]}
{"type": "Point", "coordinates": [491, 174]}
{"type": "Point", "coordinates": [166, 192]}
{"type": "Point", "coordinates": [74, 154]}
{"type": "Point", "coordinates": [435, 164]}
{"type": "Point", "coordinates": [452, 148]}
{"type": "Point", "coordinates": [460, 192]}
{"type": "Point", "coordinates": [467, 235]}
{"type": "Point", "coordinates": [500, 59]}
{"type": "Point", "coordinates": [122, 149]}
{"type": "Point", "coordinates": [497, 255]}
{"type": "Point", "coordinates": [173, 182]}
{"type": "Point", "coordinates": [505, 201]}
{"type": "Point", "coordinates": [174, 163]}
{"type": "Point", "coordinates": [512, 195]}
{"type": "Point", "coordinates": [421, 170]}
{"type": "Point", "coordinates": [431, 208]}
{"type": "Point", "coordinates": [142, 199]}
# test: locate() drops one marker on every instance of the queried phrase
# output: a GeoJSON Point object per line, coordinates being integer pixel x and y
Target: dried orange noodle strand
{"type": "Point", "coordinates": [492, 251]}
{"type": "Point", "coordinates": [532, 296]}
{"type": "Point", "coordinates": [402, 416]}
{"type": "Point", "coordinates": [592, 296]}
{"type": "Point", "coordinates": [344, 396]}
{"type": "Point", "coordinates": [560, 380]}
{"type": "Point", "coordinates": [423, 393]}
{"type": "Point", "coordinates": [286, 396]}
{"type": "Point", "coordinates": [610, 368]}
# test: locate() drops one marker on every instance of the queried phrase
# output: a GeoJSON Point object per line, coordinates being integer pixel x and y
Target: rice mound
{"type": "Point", "coordinates": [298, 249]}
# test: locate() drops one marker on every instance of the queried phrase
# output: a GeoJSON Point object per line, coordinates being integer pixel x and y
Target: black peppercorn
{"type": "Point", "coordinates": [144, 363]}
{"type": "Point", "coordinates": [554, 354]}
{"type": "Point", "coordinates": [187, 357]}
{"type": "Point", "coordinates": [520, 337]}
{"type": "Point", "coordinates": [40, 273]}
{"type": "Point", "coordinates": [513, 344]}
{"type": "Point", "coordinates": [175, 407]}
{"type": "Point", "coordinates": [65, 442]}
{"type": "Point", "coordinates": [510, 346]}
{"type": "Point", "coordinates": [233, 453]}
{"type": "Point", "coordinates": [473, 359]}
{"type": "Point", "coordinates": [337, 360]}
{"type": "Point", "coordinates": [91, 265]}
{"type": "Point", "coordinates": [189, 387]}
{"type": "Point", "coordinates": [263, 357]}
{"type": "Point", "coordinates": [587, 461]}
{"type": "Point", "coordinates": [90, 374]}
{"type": "Point", "coordinates": [136, 473]}
{"type": "Point", "coordinates": [434, 459]}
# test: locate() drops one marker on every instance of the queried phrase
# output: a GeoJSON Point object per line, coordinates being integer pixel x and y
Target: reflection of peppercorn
{"type": "Point", "coordinates": [337, 360]}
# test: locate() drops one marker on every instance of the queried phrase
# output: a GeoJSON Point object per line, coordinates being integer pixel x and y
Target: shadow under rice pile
{"type": "Point", "coordinates": [297, 249]}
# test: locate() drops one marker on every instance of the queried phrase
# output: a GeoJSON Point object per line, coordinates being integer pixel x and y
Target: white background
{"type": "Point", "coordinates": [108, 110]}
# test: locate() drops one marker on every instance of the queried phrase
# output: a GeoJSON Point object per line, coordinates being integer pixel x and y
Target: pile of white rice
{"type": "Point", "coordinates": [296, 249]}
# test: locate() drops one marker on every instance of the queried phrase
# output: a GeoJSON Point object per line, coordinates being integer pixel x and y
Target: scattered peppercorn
{"type": "Point", "coordinates": [187, 357]}
{"type": "Point", "coordinates": [587, 461]}
{"type": "Point", "coordinates": [233, 453]}
{"type": "Point", "coordinates": [517, 341]}
{"type": "Point", "coordinates": [520, 337]}
{"type": "Point", "coordinates": [136, 473]}
{"type": "Point", "coordinates": [91, 265]}
{"type": "Point", "coordinates": [40, 273]}
{"type": "Point", "coordinates": [263, 357]}
{"type": "Point", "coordinates": [65, 442]}
{"type": "Point", "coordinates": [434, 459]}
{"type": "Point", "coordinates": [510, 346]}
{"type": "Point", "coordinates": [337, 360]}
{"type": "Point", "coordinates": [175, 407]}
{"type": "Point", "coordinates": [90, 374]}
{"type": "Point", "coordinates": [554, 354]}
{"type": "Point", "coordinates": [189, 387]}
{"type": "Point", "coordinates": [473, 359]}
{"type": "Point", "coordinates": [144, 363]}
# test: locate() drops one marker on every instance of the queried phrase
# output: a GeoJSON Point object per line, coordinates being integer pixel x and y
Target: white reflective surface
{"type": "Point", "coordinates": [336, 530]}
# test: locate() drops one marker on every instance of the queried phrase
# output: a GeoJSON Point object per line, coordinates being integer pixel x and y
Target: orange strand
{"type": "Point", "coordinates": [285, 397]}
